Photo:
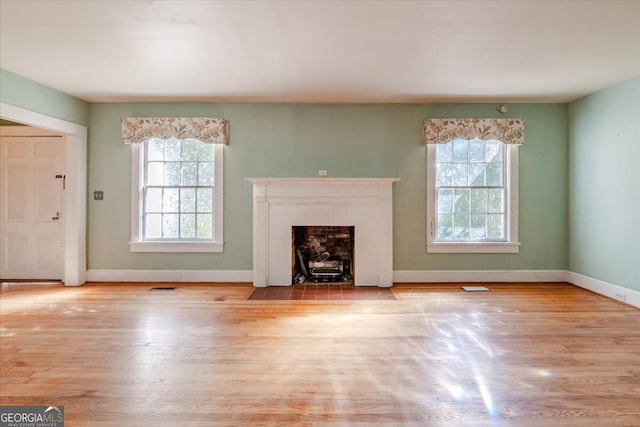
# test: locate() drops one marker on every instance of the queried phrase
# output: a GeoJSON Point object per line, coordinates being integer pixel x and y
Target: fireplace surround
{"type": "Point", "coordinates": [363, 203]}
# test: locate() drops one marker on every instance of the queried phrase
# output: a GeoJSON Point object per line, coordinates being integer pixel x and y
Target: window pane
{"type": "Point", "coordinates": [461, 204]}
{"type": "Point", "coordinates": [155, 149]}
{"type": "Point", "coordinates": [205, 200]}
{"type": "Point", "coordinates": [495, 200]}
{"type": "Point", "coordinates": [478, 226]}
{"type": "Point", "coordinates": [445, 226]}
{"type": "Point", "coordinates": [478, 201]}
{"type": "Point", "coordinates": [460, 174]}
{"type": "Point", "coordinates": [153, 226]}
{"type": "Point", "coordinates": [461, 226]}
{"type": "Point", "coordinates": [495, 226]}
{"type": "Point", "coordinates": [170, 226]}
{"type": "Point", "coordinates": [444, 172]}
{"type": "Point", "coordinates": [153, 202]}
{"type": "Point", "coordinates": [460, 150]}
{"type": "Point", "coordinates": [204, 226]}
{"type": "Point", "coordinates": [190, 148]}
{"type": "Point", "coordinates": [172, 173]}
{"type": "Point", "coordinates": [493, 151]}
{"type": "Point", "coordinates": [476, 151]}
{"type": "Point", "coordinates": [172, 150]}
{"type": "Point", "coordinates": [476, 174]}
{"type": "Point", "coordinates": [207, 152]}
{"type": "Point", "coordinates": [205, 173]}
{"type": "Point", "coordinates": [444, 153]}
{"type": "Point", "coordinates": [189, 172]}
{"type": "Point", "coordinates": [155, 173]}
{"type": "Point", "coordinates": [445, 201]}
{"type": "Point", "coordinates": [170, 200]}
{"type": "Point", "coordinates": [187, 200]}
{"type": "Point", "coordinates": [187, 226]}
{"type": "Point", "coordinates": [494, 174]}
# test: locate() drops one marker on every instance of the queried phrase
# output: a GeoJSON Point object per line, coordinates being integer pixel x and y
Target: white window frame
{"type": "Point", "coordinates": [137, 244]}
{"type": "Point", "coordinates": [510, 245]}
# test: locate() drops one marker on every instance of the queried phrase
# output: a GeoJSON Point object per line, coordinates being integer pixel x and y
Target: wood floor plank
{"type": "Point", "coordinates": [204, 355]}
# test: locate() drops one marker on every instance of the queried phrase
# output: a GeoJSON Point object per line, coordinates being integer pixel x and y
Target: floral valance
{"type": "Point", "coordinates": [211, 130]}
{"type": "Point", "coordinates": [441, 131]}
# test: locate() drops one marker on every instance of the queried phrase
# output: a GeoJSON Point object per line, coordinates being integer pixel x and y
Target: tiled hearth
{"type": "Point", "coordinates": [322, 292]}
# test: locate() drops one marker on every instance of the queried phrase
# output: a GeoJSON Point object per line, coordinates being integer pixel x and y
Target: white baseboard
{"type": "Point", "coordinates": [601, 287]}
{"type": "Point", "coordinates": [607, 289]}
{"type": "Point", "coordinates": [170, 276]}
{"type": "Point", "coordinates": [469, 276]}
{"type": "Point", "coordinates": [399, 276]}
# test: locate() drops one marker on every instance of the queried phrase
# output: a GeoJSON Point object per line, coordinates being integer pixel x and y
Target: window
{"type": "Point", "coordinates": [472, 196]}
{"type": "Point", "coordinates": [472, 184]}
{"type": "Point", "coordinates": [176, 196]}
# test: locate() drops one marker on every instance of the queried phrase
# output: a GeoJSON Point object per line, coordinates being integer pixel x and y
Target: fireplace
{"type": "Point", "coordinates": [322, 254]}
{"type": "Point", "coordinates": [366, 204]}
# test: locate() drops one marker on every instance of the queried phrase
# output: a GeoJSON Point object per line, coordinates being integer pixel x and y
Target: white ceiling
{"type": "Point", "coordinates": [322, 51]}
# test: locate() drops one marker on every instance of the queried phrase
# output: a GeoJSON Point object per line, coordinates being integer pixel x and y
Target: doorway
{"type": "Point", "coordinates": [75, 198]}
{"type": "Point", "coordinates": [32, 181]}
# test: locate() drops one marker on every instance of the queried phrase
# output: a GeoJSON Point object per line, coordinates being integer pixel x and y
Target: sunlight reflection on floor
{"type": "Point", "coordinates": [56, 296]}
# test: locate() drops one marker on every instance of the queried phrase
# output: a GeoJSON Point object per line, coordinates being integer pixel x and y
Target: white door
{"type": "Point", "coordinates": [31, 213]}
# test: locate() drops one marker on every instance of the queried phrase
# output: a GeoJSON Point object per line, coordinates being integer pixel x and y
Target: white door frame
{"type": "Point", "coordinates": [75, 196]}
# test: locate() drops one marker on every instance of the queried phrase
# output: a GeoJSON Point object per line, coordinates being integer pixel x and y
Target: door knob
{"type": "Point", "coordinates": [57, 217]}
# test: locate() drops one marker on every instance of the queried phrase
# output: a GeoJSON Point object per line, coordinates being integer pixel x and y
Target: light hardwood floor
{"type": "Point", "coordinates": [520, 355]}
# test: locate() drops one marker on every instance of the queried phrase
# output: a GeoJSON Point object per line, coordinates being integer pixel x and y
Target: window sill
{"type": "Point", "coordinates": [473, 247]}
{"type": "Point", "coordinates": [176, 246]}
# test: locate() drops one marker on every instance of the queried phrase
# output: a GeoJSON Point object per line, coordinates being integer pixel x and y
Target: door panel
{"type": "Point", "coordinates": [15, 248]}
{"type": "Point", "coordinates": [30, 235]}
{"type": "Point", "coordinates": [16, 150]}
{"type": "Point", "coordinates": [16, 202]}
{"type": "Point", "coordinates": [48, 247]}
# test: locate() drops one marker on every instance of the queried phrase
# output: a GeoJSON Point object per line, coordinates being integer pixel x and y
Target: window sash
{"type": "Point", "coordinates": [508, 244]}
{"type": "Point", "coordinates": [138, 244]}
{"type": "Point", "coordinates": [454, 214]}
{"type": "Point", "coordinates": [178, 213]}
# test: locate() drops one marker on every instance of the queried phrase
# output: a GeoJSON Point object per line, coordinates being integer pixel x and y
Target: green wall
{"type": "Point", "coordinates": [24, 93]}
{"type": "Point", "coordinates": [296, 140]}
{"type": "Point", "coordinates": [579, 175]}
{"type": "Point", "coordinates": [604, 179]}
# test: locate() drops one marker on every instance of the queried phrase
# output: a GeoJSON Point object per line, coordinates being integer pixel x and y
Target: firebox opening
{"type": "Point", "coordinates": [322, 254]}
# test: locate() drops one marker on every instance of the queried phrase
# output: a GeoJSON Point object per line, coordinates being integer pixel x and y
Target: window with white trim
{"type": "Point", "coordinates": [176, 196]}
{"type": "Point", "coordinates": [472, 195]}
{"type": "Point", "coordinates": [472, 184]}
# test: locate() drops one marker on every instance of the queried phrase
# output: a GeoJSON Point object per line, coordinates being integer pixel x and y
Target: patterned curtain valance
{"type": "Point", "coordinates": [441, 131]}
{"type": "Point", "coordinates": [136, 130]}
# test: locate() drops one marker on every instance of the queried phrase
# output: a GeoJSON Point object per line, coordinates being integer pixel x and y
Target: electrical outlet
{"type": "Point", "coordinates": [98, 195]}
{"type": "Point", "coordinates": [322, 172]}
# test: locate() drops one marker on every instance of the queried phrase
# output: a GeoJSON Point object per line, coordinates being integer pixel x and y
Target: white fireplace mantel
{"type": "Point", "coordinates": [364, 203]}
